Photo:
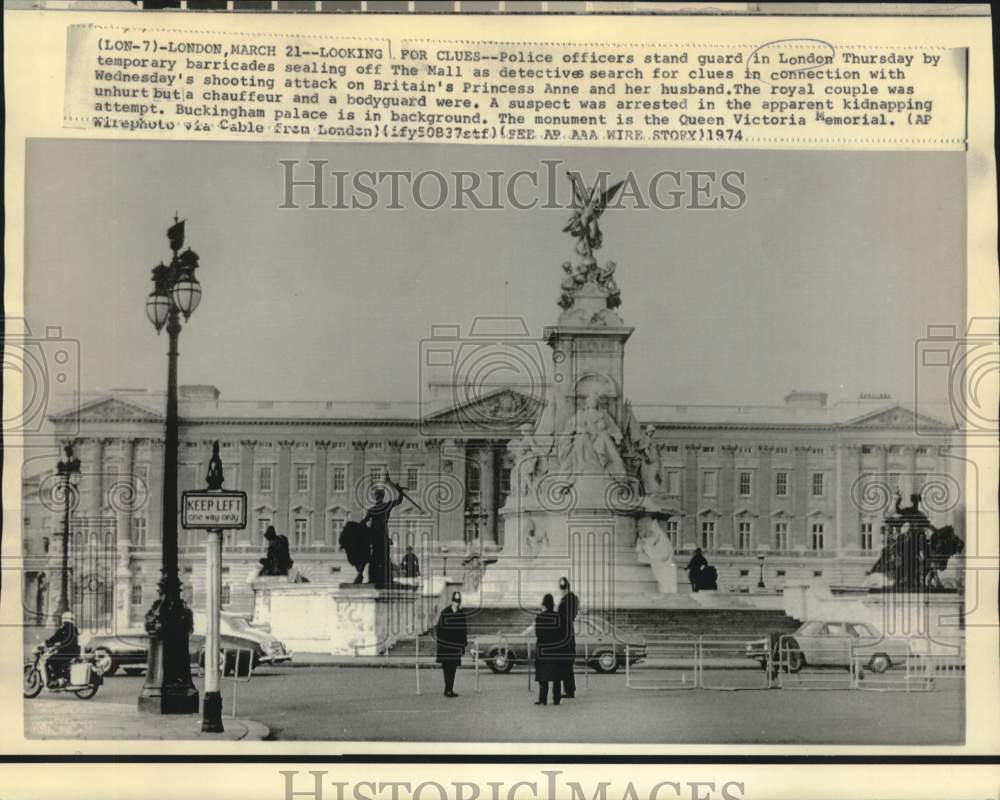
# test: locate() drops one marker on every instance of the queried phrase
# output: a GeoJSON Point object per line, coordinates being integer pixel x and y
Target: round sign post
{"type": "Point", "coordinates": [212, 711]}
{"type": "Point", "coordinates": [213, 510]}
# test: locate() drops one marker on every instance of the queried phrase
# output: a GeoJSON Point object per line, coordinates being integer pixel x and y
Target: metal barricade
{"type": "Point", "coordinates": [669, 663]}
{"type": "Point", "coordinates": [794, 672]}
{"type": "Point", "coordinates": [919, 670]}
{"type": "Point", "coordinates": [242, 669]}
{"type": "Point", "coordinates": [725, 663]}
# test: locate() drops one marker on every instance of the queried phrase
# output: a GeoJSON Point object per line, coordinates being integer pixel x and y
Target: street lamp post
{"type": "Point", "coordinates": [168, 688]}
{"type": "Point", "coordinates": [69, 471]}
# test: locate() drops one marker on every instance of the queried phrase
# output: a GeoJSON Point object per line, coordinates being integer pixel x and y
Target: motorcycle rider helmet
{"type": "Point", "coordinates": [68, 616]}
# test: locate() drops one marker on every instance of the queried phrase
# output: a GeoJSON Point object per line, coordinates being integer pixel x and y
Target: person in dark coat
{"type": "Point", "coordinates": [452, 638]}
{"type": "Point", "coordinates": [569, 605]}
{"type": "Point", "coordinates": [548, 653]}
{"type": "Point", "coordinates": [64, 646]}
{"type": "Point", "coordinates": [278, 559]}
{"type": "Point", "coordinates": [410, 564]}
{"type": "Point", "coordinates": [355, 543]}
{"type": "Point", "coordinates": [697, 563]}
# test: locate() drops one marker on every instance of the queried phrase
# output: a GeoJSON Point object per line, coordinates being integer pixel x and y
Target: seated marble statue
{"type": "Point", "coordinates": [591, 441]}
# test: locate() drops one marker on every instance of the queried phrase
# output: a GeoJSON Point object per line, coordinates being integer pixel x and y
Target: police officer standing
{"type": "Point", "coordinates": [569, 605]}
{"type": "Point", "coordinates": [452, 639]}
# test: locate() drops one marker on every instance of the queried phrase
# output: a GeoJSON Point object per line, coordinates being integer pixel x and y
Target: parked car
{"type": "Point", "coordinates": [129, 650]}
{"type": "Point", "coordinates": [599, 645]}
{"type": "Point", "coordinates": [823, 643]}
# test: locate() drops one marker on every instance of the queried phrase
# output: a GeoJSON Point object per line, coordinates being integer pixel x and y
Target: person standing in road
{"type": "Point", "coordinates": [452, 639]}
{"type": "Point", "coordinates": [548, 655]}
{"type": "Point", "coordinates": [569, 605]}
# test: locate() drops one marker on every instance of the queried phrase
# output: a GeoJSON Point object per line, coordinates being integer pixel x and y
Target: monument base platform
{"type": "Point", "coordinates": [345, 619]}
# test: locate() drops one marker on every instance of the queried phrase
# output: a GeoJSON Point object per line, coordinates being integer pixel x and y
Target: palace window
{"type": "Point", "coordinates": [866, 449]}
{"type": "Point", "coordinates": [265, 478]}
{"type": "Point", "coordinates": [673, 482]}
{"type": "Point", "coordinates": [302, 473]}
{"type": "Point", "coordinates": [779, 573]}
{"type": "Point", "coordinates": [746, 451]}
{"type": "Point", "coordinates": [922, 451]}
{"type": "Point", "coordinates": [672, 532]}
{"type": "Point", "coordinates": [746, 484]}
{"type": "Point", "coordinates": [376, 472]}
{"type": "Point", "coordinates": [866, 536]}
{"type": "Point", "coordinates": [744, 541]}
{"type": "Point", "coordinates": [781, 536]}
{"type": "Point", "coordinates": [412, 479]}
{"type": "Point", "coordinates": [817, 451]}
{"type": "Point", "coordinates": [46, 544]}
{"type": "Point", "coordinates": [895, 450]}
{"type": "Point", "coordinates": [263, 523]}
{"type": "Point", "coordinates": [338, 480]}
{"type": "Point", "coordinates": [710, 448]}
{"type": "Point", "coordinates": [135, 594]}
{"type": "Point", "coordinates": [744, 573]}
{"type": "Point", "coordinates": [816, 541]}
{"type": "Point", "coordinates": [781, 484]}
{"type": "Point", "coordinates": [781, 451]}
{"type": "Point", "coordinates": [818, 484]}
{"type": "Point", "coordinates": [472, 476]}
{"type": "Point", "coordinates": [226, 595]}
{"type": "Point", "coordinates": [670, 448]}
{"type": "Point", "coordinates": [505, 480]}
{"type": "Point", "coordinates": [139, 528]}
{"type": "Point", "coordinates": [709, 479]}
{"type": "Point", "coordinates": [301, 532]}
{"type": "Point", "coordinates": [335, 524]}
{"type": "Point", "coordinates": [229, 539]}
{"type": "Point", "coordinates": [707, 535]}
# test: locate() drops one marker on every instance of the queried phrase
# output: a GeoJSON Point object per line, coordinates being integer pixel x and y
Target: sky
{"type": "Point", "coordinates": [824, 280]}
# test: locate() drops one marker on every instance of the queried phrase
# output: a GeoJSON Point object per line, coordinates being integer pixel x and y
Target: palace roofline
{"type": "Point", "coordinates": [206, 408]}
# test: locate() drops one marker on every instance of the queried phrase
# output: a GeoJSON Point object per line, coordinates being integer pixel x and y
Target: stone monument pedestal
{"type": "Point", "coordinates": [345, 619]}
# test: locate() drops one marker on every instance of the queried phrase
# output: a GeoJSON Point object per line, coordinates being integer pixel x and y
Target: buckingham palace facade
{"type": "Point", "coordinates": [796, 490]}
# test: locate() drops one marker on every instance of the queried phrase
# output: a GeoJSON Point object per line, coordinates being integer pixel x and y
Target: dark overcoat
{"type": "Point", "coordinates": [568, 607]}
{"type": "Point", "coordinates": [548, 653]}
{"type": "Point", "coordinates": [452, 636]}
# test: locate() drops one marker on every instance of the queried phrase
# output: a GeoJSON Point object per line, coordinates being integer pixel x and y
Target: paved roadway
{"type": "Point", "coordinates": [335, 703]}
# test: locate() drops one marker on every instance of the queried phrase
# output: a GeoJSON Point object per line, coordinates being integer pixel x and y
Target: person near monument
{"type": "Point", "coordinates": [377, 518]}
{"type": "Point", "coordinates": [569, 606]}
{"type": "Point", "coordinates": [410, 564]}
{"type": "Point", "coordinates": [64, 646]}
{"type": "Point", "coordinates": [278, 559]}
{"type": "Point", "coordinates": [697, 563]}
{"type": "Point", "coordinates": [452, 638]}
{"type": "Point", "coordinates": [547, 653]}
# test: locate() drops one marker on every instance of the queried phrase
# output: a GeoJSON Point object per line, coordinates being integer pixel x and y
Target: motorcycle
{"type": "Point", "coordinates": [84, 679]}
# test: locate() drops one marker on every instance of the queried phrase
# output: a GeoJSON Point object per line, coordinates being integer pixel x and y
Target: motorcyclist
{"type": "Point", "coordinates": [63, 646]}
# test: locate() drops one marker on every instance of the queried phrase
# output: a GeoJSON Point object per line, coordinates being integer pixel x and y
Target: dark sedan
{"type": "Point", "coordinates": [599, 645]}
{"type": "Point", "coordinates": [129, 652]}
